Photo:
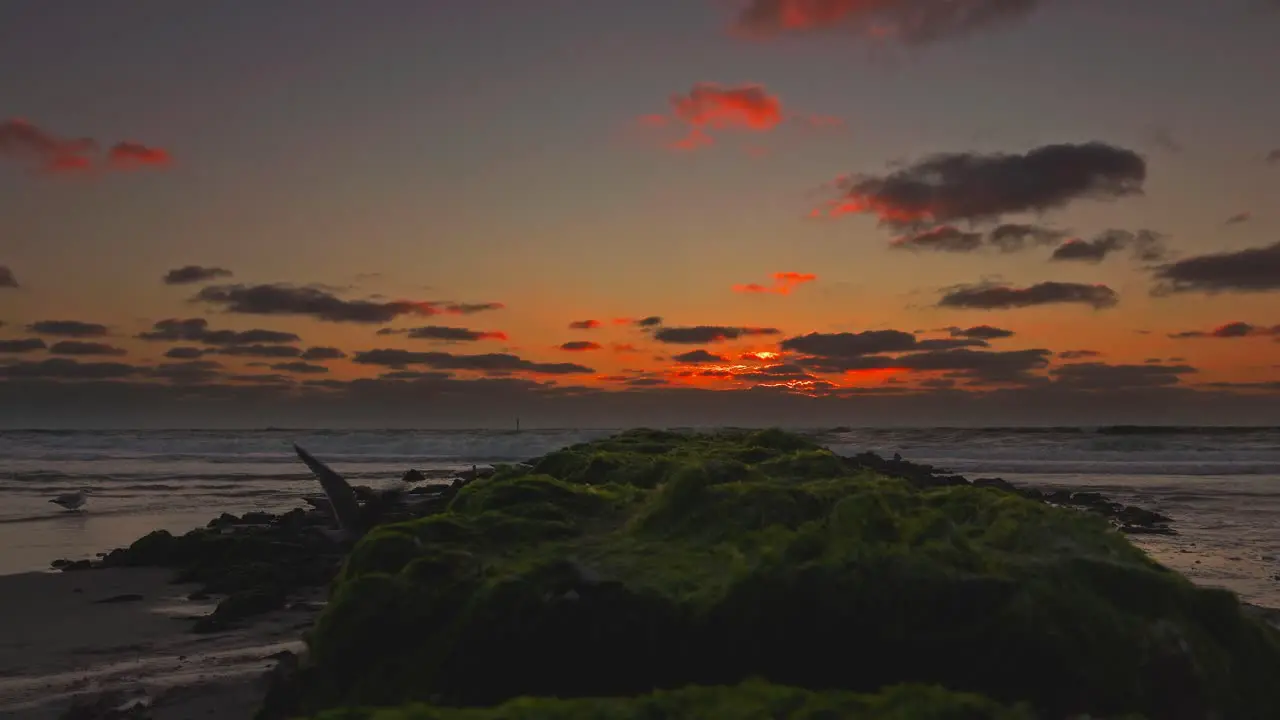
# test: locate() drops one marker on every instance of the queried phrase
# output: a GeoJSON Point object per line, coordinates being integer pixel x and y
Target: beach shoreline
{"type": "Point", "coordinates": [126, 634]}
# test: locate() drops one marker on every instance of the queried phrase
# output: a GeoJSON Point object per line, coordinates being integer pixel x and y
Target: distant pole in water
{"type": "Point", "coordinates": [517, 424]}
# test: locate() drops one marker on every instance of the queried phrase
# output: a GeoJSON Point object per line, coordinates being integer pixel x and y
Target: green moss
{"type": "Point", "coordinates": [749, 701]}
{"type": "Point", "coordinates": [710, 559]}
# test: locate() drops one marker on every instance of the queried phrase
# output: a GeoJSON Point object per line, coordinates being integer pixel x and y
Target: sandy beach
{"type": "Point", "coordinates": [76, 636]}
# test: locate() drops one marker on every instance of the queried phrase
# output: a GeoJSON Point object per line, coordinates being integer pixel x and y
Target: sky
{"type": "Point", "coordinates": [436, 213]}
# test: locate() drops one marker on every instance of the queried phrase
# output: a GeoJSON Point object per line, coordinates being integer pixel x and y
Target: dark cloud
{"type": "Point", "coordinates": [300, 368]}
{"type": "Point", "coordinates": [705, 334]}
{"type": "Point", "coordinates": [24, 345]}
{"type": "Point", "coordinates": [910, 22]}
{"type": "Point", "coordinates": [584, 324]}
{"type": "Point", "coordinates": [1002, 297]}
{"type": "Point", "coordinates": [1005, 366]}
{"type": "Point", "coordinates": [694, 357]}
{"type": "Point", "coordinates": [321, 304]}
{"type": "Point", "coordinates": [580, 346]}
{"type": "Point", "coordinates": [1241, 217]}
{"type": "Point", "coordinates": [1254, 386]}
{"type": "Point", "coordinates": [273, 379]}
{"type": "Point", "coordinates": [1078, 354]}
{"type": "Point", "coordinates": [1146, 246]}
{"type": "Point", "coordinates": [189, 274]}
{"type": "Point", "coordinates": [489, 362]}
{"type": "Point", "coordinates": [185, 373]}
{"type": "Point", "coordinates": [1274, 156]}
{"type": "Point", "coordinates": [954, 187]}
{"type": "Point", "coordinates": [80, 347]}
{"type": "Point", "coordinates": [1251, 270]}
{"type": "Point", "coordinates": [184, 353]}
{"type": "Point", "coordinates": [64, 369]}
{"type": "Point", "coordinates": [451, 308]}
{"type": "Point", "coordinates": [981, 332]}
{"type": "Point", "coordinates": [1015, 237]}
{"type": "Point", "coordinates": [944, 238]}
{"type": "Point", "coordinates": [197, 330]}
{"type": "Point", "coordinates": [7, 278]}
{"type": "Point", "coordinates": [1100, 376]}
{"type": "Point", "coordinates": [1007, 238]}
{"type": "Point", "coordinates": [1162, 137]}
{"type": "Point", "coordinates": [951, 343]}
{"type": "Point", "coordinates": [414, 375]}
{"type": "Point", "coordinates": [445, 334]}
{"type": "Point", "coordinates": [323, 353]}
{"type": "Point", "coordinates": [846, 345]}
{"type": "Point", "coordinates": [648, 322]}
{"type": "Point", "coordinates": [846, 352]}
{"type": "Point", "coordinates": [67, 328]}
{"type": "Point", "coordinates": [1230, 330]}
{"type": "Point", "coordinates": [260, 351]}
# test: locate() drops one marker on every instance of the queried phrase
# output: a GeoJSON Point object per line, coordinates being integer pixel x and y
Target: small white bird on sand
{"type": "Point", "coordinates": [72, 501]}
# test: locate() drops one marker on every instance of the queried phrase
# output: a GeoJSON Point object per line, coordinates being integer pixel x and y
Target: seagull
{"type": "Point", "coordinates": [72, 501]}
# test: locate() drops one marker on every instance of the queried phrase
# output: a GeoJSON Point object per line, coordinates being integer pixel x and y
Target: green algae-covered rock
{"type": "Point", "coordinates": [658, 560]}
{"type": "Point", "coordinates": [749, 701]}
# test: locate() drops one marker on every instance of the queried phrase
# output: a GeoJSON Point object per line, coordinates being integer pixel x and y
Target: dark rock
{"type": "Point", "coordinates": [71, 565]}
{"type": "Point", "coordinates": [996, 483]}
{"type": "Point", "coordinates": [1088, 498]}
{"type": "Point", "coordinates": [413, 476]}
{"type": "Point", "coordinates": [1138, 516]}
{"type": "Point", "coordinates": [127, 597]}
{"type": "Point", "coordinates": [241, 605]}
{"type": "Point", "coordinates": [295, 519]}
{"type": "Point", "coordinates": [224, 520]}
{"type": "Point", "coordinates": [283, 688]}
{"type": "Point", "coordinates": [257, 518]}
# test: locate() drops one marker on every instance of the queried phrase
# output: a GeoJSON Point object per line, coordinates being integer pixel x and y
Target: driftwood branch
{"type": "Point", "coordinates": [342, 499]}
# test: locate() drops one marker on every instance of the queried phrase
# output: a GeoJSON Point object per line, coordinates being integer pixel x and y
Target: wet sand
{"type": "Point", "coordinates": [76, 635]}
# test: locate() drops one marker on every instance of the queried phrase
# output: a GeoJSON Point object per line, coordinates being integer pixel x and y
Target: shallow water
{"type": "Point", "coordinates": [1221, 486]}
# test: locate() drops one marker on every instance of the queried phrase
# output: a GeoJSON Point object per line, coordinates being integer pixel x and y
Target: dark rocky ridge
{"type": "Point", "coordinates": [261, 561]}
{"type": "Point", "coordinates": [663, 560]}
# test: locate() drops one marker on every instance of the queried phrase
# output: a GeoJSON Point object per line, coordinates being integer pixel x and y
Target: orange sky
{"type": "Point", "coordinates": [445, 197]}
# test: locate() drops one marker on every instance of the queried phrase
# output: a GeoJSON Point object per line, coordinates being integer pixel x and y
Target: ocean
{"type": "Point", "coordinates": [1220, 485]}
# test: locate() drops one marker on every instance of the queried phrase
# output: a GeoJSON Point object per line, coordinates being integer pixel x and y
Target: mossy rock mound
{"type": "Point", "coordinates": [658, 560]}
{"type": "Point", "coordinates": [748, 701]}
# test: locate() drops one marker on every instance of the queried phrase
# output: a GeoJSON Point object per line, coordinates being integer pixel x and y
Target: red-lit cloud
{"type": "Point", "coordinates": [131, 155]}
{"type": "Point", "coordinates": [624, 348]}
{"type": "Point", "coordinates": [712, 107]}
{"type": "Point", "coordinates": [584, 324]}
{"type": "Point", "coordinates": [42, 151]}
{"type": "Point", "coordinates": [24, 142]}
{"type": "Point", "coordinates": [911, 22]}
{"type": "Point", "coordinates": [783, 284]}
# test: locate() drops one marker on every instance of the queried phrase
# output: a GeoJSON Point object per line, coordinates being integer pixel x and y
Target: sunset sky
{"type": "Point", "coordinates": [618, 212]}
